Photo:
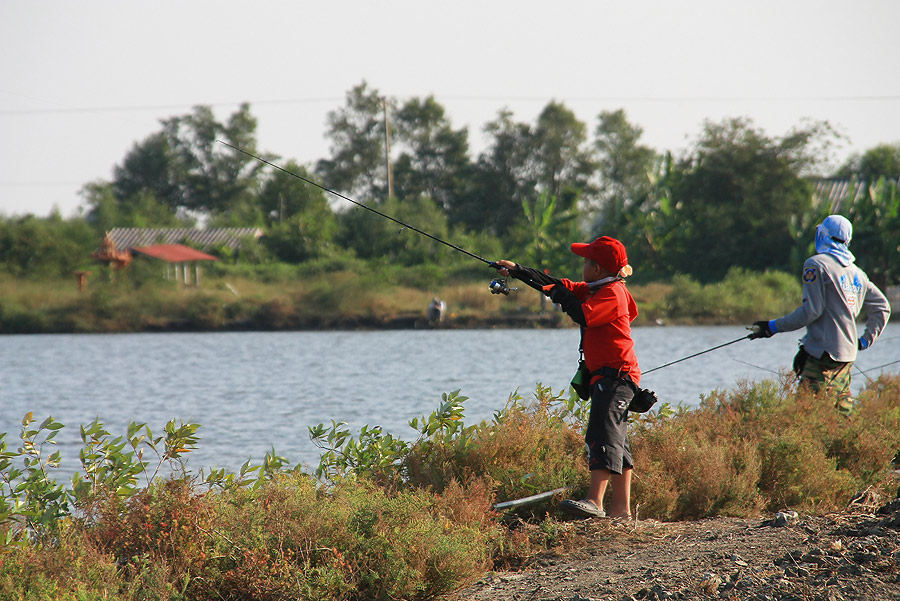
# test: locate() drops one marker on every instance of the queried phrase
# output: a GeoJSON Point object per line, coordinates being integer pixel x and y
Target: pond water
{"type": "Point", "coordinates": [255, 391]}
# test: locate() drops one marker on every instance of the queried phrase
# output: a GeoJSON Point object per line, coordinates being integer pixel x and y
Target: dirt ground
{"type": "Point", "coordinates": [851, 555]}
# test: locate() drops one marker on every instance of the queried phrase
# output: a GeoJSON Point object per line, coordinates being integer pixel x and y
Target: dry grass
{"type": "Point", "coordinates": [758, 448]}
{"type": "Point", "coordinates": [766, 447]}
{"type": "Point", "coordinates": [284, 297]}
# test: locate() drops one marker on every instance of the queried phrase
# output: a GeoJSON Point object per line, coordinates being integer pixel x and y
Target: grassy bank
{"type": "Point", "coordinates": [392, 519]}
{"type": "Point", "coordinates": [347, 299]}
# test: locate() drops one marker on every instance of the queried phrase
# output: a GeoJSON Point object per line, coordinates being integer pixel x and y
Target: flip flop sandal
{"type": "Point", "coordinates": [582, 508]}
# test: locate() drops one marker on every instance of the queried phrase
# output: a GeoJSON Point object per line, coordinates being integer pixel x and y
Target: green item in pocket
{"type": "Point", "coordinates": [581, 381]}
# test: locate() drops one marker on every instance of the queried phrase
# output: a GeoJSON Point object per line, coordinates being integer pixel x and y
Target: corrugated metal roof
{"type": "Point", "coordinates": [837, 192]}
{"type": "Point", "coordinates": [129, 237]}
{"type": "Point", "coordinates": [173, 253]}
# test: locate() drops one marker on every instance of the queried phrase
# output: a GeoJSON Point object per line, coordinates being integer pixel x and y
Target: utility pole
{"type": "Point", "coordinates": [387, 147]}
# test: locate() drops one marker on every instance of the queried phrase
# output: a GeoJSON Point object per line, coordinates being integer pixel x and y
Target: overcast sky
{"type": "Point", "coordinates": [82, 82]}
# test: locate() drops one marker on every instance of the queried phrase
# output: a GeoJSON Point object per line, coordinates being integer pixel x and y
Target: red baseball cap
{"type": "Point", "coordinates": [607, 252]}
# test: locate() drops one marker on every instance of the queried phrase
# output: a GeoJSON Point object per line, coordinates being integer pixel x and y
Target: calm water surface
{"type": "Point", "coordinates": [254, 391]}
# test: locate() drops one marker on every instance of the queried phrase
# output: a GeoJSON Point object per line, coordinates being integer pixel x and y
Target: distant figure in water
{"type": "Point", "coordinates": [436, 311]}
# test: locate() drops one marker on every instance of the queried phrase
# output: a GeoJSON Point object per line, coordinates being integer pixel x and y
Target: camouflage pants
{"type": "Point", "coordinates": [829, 376]}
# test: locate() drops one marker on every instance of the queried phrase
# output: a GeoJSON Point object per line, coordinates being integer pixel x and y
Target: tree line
{"type": "Point", "coordinates": [737, 198]}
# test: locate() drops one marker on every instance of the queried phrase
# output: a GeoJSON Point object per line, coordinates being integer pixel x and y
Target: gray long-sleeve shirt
{"type": "Point", "coordinates": [833, 296]}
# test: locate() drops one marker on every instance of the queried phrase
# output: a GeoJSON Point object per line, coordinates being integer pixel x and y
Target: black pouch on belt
{"type": "Point", "coordinates": [800, 360]}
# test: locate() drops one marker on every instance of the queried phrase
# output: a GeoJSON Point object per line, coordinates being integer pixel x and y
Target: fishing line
{"type": "Point", "coordinates": [863, 373]}
{"type": "Point", "coordinates": [747, 337]}
{"type": "Point", "coordinates": [359, 204]}
{"type": "Point", "coordinates": [771, 371]}
{"type": "Point", "coordinates": [878, 367]}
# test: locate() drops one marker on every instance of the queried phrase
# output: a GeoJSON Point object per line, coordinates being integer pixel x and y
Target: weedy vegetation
{"type": "Point", "coordinates": [391, 517]}
{"type": "Point", "coordinates": [332, 294]}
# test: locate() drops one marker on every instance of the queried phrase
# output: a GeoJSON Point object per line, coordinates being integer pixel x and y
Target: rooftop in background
{"type": "Point", "coordinates": [173, 253]}
{"type": "Point", "coordinates": [232, 237]}
{"type": "Point", "coordinates": [837, 191]}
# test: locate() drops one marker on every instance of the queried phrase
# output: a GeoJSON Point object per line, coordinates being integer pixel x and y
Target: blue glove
{"type": "Point", "coordinates": [863, 344]}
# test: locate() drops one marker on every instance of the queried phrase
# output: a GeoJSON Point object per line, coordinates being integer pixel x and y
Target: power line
{"type": "Point", "coordinates": [499, 99]}
{"type": "Point", "coordinates": [871, 98]}
{"type": "Point", "coordinates": [158, 107]}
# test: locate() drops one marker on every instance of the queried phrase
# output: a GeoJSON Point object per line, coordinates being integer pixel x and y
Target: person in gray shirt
{"type": "Point", "coordinates": [835, 291]}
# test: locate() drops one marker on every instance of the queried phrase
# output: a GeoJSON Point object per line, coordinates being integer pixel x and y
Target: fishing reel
{"type": "Point", "coordinates": [500, 286]}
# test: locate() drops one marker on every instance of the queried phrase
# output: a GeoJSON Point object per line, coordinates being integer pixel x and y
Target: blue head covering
{"type": "Point", "coordinates": [833, 238]}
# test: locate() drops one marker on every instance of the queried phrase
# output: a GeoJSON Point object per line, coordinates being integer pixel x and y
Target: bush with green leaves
{"type": "Point", "coordinates": [32, 502]}
{"type": "Point", "coordinates": [524, 449]}
{"type": "Point", "coordinates": [738, 298]}
{"type": "Point", "coordinates": [396, 518]}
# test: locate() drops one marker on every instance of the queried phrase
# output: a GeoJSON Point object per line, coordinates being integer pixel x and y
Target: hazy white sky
{"type": "Point", "coordinates": [82, 82]}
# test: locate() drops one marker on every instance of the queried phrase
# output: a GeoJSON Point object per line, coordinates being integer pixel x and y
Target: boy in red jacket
{"type": "Point", "coordinates": [603, 307]}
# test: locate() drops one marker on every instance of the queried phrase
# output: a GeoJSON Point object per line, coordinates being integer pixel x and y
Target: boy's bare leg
{"type": "Point", "coordinates": [621, 494]}
{"type": "Point", "coordinates": [621, 491]}
{"type": "Point", "coordinates": [599, 481]}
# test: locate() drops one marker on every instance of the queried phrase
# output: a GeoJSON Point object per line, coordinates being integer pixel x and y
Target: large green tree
{"type": "Point", "coordinates": [736, 195]}
{"type": "Point", "coordinates": [357, 166]}
{"type": "Point", "coordinates": [633, 201]}
{"type": "Point", "coordinates": [148, 168]}
{"type": "Point", "coordinates": [624, 166]}
{"type": "Point", "coordinates": [374, 237]}
{"type": "Point", "coordinates": [301, 223]}
{"type": "Point", "coordinates": [877, 162]}
{"type": "Point", "coordinates": [501, 181]}
{"type": "Point", "coordinates": [184, 168]}
{"type": "Point", "coordinates": [434, 158]}
{"type": "Point", "coordinates": [520, 163]}
{"type": "Point", "coordinates": [211, 177]}
{"type": "Point", "coordinates": [562, 160]}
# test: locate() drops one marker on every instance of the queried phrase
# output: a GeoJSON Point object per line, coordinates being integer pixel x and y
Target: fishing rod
{"type": "Point", "coordinates": [359, 204]}
{"type": "Point", "coordinates": [747, 337]}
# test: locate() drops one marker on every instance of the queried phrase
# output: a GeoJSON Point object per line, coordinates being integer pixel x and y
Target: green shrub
{"type": "Point", "coordinates": [16, 319]}
{"type": "Point", "coordinates": [525, 449]}
{"type": "Point", "coordinates": [205, 312]}
{"type": "Point", "coordinates": [71, 569]}
{"type": "Point", "coordinates": [355, 540]}
{"type": "Point", "coordinates": [738, 298]}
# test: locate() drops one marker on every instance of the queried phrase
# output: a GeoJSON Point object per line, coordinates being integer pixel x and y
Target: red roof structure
{"type": "Point", "coordinates": [232, 237]}
{"type": "Point", "coordinates": [173, 253]}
